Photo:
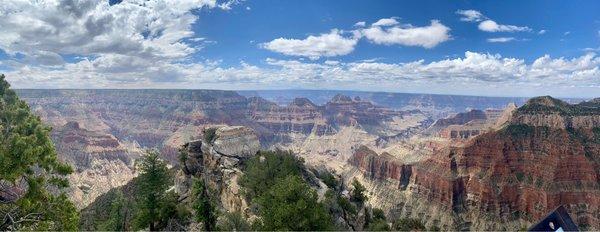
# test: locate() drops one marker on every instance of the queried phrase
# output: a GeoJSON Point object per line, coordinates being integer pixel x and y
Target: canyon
{"type": "Point", "coordinates": [545, 156]}
{"type": "Point", "coordinates": [457, 162]}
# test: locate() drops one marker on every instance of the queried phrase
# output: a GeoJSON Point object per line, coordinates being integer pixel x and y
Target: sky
{"type": "Point", "coordinates": [489, 48]}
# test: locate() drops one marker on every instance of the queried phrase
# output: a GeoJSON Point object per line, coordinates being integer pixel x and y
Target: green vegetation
{"type": "Point", "coordinates": [233, 222]}
{"type": "Point", "coordinates": [519, 130]}
{"type": "Point", "coordinates": [292, 205]}
{"type": "Point", "coordinates": [29, 168]}
{"type": "Point", "coordinates": [549, 105]}
{"type": "Point", "coordinates": [378, 222]}
{"type": "Point", "coordinates": [203, 206]}
{"type": "Point", "coordinates": [117, 217]}
{"type": "Point", "coordinates": [358, 192]}
{"type": "Point", "coordinates": [182, 155]}
{"type": "Point", "coordinates": [328, 178]}
{"type": "Point", "coordinates": [265, 169]}
{"type": "Point", "coordinates": [520, 176]}
{"type": "Point", "coordinates": [144, 203]}
{"type": "Point", "coordinates": [408, 224]}
{"type": "Point", "coordinates": [273, 181]}
{"type": "Point", "coordinates": [153, 183]}
{"type": "Point", "coordinates": [346, 205]}
{"type": "Point", "coordinates": [210, 134]}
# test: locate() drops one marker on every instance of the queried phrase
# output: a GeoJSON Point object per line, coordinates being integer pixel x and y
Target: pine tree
{"type": "Point", "coordinates": [117, 216]}
{"type": "Point", "coordinates": [203, 207]}
{"type": "Point", "coordinates": [153, 183]}
{"type": "Point", "coordinates": [29, 168]}
{"type": "Point", "coordinates": [358, 193]}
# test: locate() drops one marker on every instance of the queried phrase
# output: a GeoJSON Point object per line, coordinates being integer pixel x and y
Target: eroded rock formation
{"type": "Point", "coordinates": [500, 180]}
{"type": "Point", "coordinates": [217, 163]}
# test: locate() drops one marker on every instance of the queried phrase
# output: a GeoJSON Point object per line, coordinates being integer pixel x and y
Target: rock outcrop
{"type": "Point", "coordinates": [217, 163]}
{"type": "Point", "coordinates": [467, 125]}
{"type": "Point", "coordinates": [504, 179]}
{"type": "Point", "coordinates": [101, 161]}
{"type": "Point", "coordinates": [554, 113]}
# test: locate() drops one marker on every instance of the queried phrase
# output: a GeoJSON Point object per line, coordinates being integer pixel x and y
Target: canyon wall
{"type": "Point", "coordinates": [504, 179]}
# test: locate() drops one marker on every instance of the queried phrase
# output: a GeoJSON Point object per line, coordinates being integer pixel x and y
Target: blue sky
{"type": "Point", "coordinates": [495, 48]}
{"type": "Point", "coordinates": [266, 20]}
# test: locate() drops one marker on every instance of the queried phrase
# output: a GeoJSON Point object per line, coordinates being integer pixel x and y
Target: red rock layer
{"type": "Point", "coordinates": [505, 173]}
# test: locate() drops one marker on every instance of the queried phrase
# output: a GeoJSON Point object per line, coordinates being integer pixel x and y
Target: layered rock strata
{"type": "Point", "coordinates": [500, 180]}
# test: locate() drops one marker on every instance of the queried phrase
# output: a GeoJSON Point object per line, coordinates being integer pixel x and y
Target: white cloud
{"type": "Point", "coordinates": [314, 47]}
{"type": "Point", "coordinates": [360, 24]}
{"type": "Point", "coordinates": [386, 31]}
{"type": "Point", "coordinates": [474, 73]}
{"type": "Point", "coordinates": [227, 5]}
{"type": "Point", "coordinates": [541, 32]}
{"type": "Point", "coordinates": [385, 22]}
{"type": "Point", "coordinates": [148, 44]}
{"type": "Point", "coordinates": [501, 39]}
{"type": "Point", "coordinates": [139, 31]}
{"type": "Point", "coordinates": [566, 33]}
{"type": "Point", "coordinates": [491, 26]}
{"type": "Point", "coordinates": [426, 36]}
{"type": "Point", "coordinates": [471, 15]}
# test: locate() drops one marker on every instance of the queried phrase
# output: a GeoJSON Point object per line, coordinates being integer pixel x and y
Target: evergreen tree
{"type": "Point", "coordinates": [358, 193]}
{"type": "Point", "coordinates": [378, 222]}
{"type": "Point", "coordinates": [263, 170]}
{"type": "Point", "coordinates": [292, 205]}
{"type": "Point", "coordinates": [202, 205]}
{"type": "Point", "coordinates": [117, 216]}
{"type": "Point", "coordinates": [29, 167]}
{"type": "Point", "coordinates": [153, 183]}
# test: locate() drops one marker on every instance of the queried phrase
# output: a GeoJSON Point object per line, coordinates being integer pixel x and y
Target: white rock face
{"type": "Point", "coordinates": [236, 141]}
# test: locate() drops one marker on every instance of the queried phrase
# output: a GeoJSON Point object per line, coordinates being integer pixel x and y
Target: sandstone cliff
{"type": "Point", "coordinates": [101, 161]}
{"type": "Point", "coordinates": [547, 156]}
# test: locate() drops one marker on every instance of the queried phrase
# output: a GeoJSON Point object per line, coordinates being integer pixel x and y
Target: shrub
{"type": "Point", "coordinates": [262, 171]}
{"type": "Point", "coordinates": [358, 192]}
{"type": "Point", "coordinates": [210, 134]}
{"type": "Point", "coordinates": [408, 224]}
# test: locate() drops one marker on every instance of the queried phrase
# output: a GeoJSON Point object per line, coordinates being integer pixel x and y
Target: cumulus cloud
{"type": "Point", "coordinates": [471, 15]}
{"type": "Point", "coordinates": [114, 37]}
{"type": "Point", "coordinates": [488, 25]}
{"type": "Point", "coordinates": [386, 31]}
{"type": "Point", "coordinates": [360, 24]}
{"type": "Point", "coordinates": [491, 26]}
{"type": "Point", "coordinates": [473, 73]}
{"type": "Point", "coordinates": [314, 47]}
{"type": "Point", "coordinates": [541, 32]}
{"type": "Point", "coordinates": [148, 44]}
{"type": "Point", "coordinates": [407, 35]}
{"type": "Point", "coordinates": [385, 22]}
{"type": "Point", "coordinates": [501, 39]}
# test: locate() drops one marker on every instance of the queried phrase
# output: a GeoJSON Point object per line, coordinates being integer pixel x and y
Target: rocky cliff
{"type": "Point", "coordinates": [101, 161]}
{"type": "Point", "coordinates": [504, 179]}
{"type": "Point", "coordinates": [217, 161]}
{"type": "Point", "coordinates": [472, 123]}
{"type": "Point", "coordinates": [115, 125]}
